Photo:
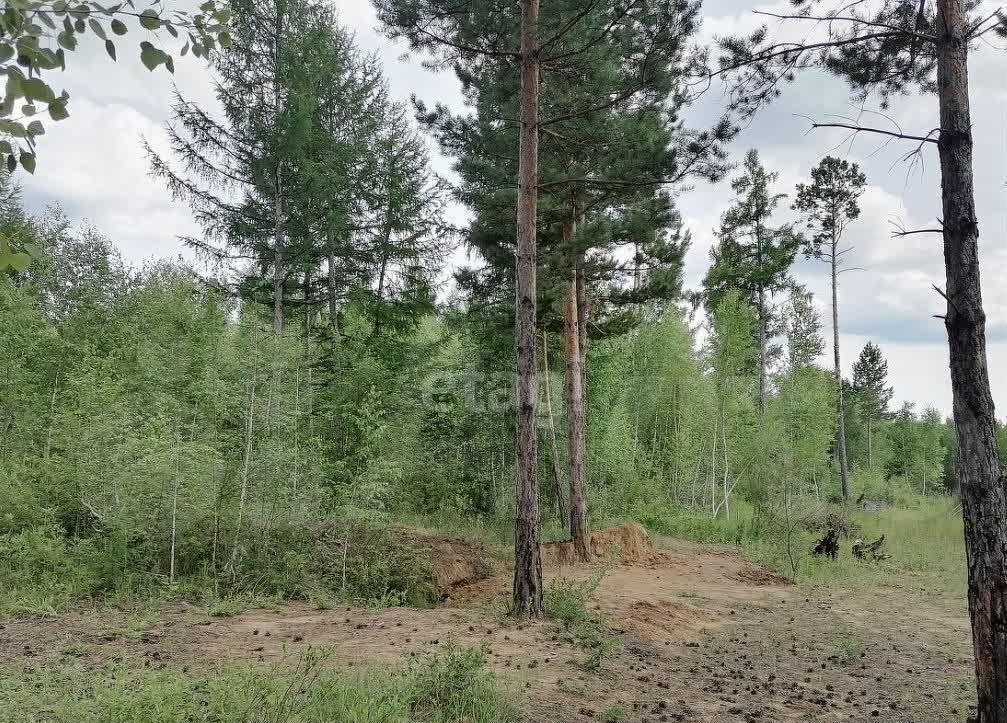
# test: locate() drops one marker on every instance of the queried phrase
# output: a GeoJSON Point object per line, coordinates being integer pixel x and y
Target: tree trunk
{"type": "Point", "coordinates": [579, 528]}
{"type": "Point", "coordinates": [278, 268]}
{"type": "Point", "coordinates": [247, 461]}
{"type": "Point", "coordinates": [278, 262]}
{"type": "Point", "coordinates": [762, 351]}
{"type": "Point", "coordinates": [557, 471]}
{"type": "Point", "coordinates": [333, 301]}
{"type": "Point", "coordinates": [844, 469]}
{"type": "Point", "coordinates": [983, 483]}
{"type": "Point", "coordinates": [307, 303]}
{"type": "Point", "coordinates": [527, 554]}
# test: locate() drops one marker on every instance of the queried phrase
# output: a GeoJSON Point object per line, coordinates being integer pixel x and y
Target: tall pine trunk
{"type": "Point", "coordinates": [983, 483]}
{"type": "Point", "coordinates": [333, 300]}
{"type": "Point", "coordinates": [557, 470]}
{"type": "Point", "coordinates": [279, 268]}
{"type": "Point", "coordinates": [527, 554]}
{"type": "Point", "coordinates": [844, 469]}
{"type": "Point", "coordinates": [579, 529]}
{"type": "Point", "coordinates": [763, 341]}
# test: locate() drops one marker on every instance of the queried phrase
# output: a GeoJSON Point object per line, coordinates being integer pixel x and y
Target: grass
{"type": "Point", "coordinates": [849, 649]}
{"type": "Point", "coordinates": [925, 541]}
{"type": "Point", "coordinates": [566, 601]}
{"type": "Point", "coordinates": [452, 686]}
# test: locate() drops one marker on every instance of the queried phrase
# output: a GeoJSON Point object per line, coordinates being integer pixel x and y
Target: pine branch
{"type": "Point", "coordinates": [851, 19]}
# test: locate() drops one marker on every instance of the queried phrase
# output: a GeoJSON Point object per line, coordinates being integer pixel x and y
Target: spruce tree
{"type": "Point", "coordinates": [753, 256]}
{"type": "Point", "coordinates": [870, 386]}
{"type": "Point", "coordinates": [829, 205]}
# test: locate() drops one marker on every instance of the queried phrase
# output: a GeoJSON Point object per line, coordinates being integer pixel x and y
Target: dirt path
{"type": "Point", "coordinates": [707, 638]}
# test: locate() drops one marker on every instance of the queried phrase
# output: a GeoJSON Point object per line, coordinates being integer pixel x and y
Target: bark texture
{"type": "Point", "coordinates": [763, 352]}
{"type": "Point", "coordinates": [844, 469]}
{"type": "Point", "coordinates": [333, 299]}
{"type": "Point", "coordinates": [983, 484]}
{"type": "Point", "coordinates": [579, 529]}
{"type": "Point", "coordinates": [557, 469]}
{"type": "Point", "coordinates": [527, 591]}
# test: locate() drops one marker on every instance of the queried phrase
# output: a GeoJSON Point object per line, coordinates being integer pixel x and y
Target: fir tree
{"type": "Point", "coordinates": [870, 387]}
{"type": "Point", "coordinates": [753, 256]}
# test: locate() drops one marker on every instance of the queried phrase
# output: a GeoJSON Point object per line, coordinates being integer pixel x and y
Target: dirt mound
{"type": "Point", "coordinates": [629, 541]}
{"type": "Point", "coordinates": [456, 563]}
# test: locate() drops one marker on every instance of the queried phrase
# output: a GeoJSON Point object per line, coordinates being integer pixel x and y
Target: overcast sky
{"type": "Point", "coordinates": [94, 166]}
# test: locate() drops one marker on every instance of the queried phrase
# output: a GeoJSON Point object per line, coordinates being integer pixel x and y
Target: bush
{"type": "Point", "coordinates": [43, 572]}
{"type": "Point", "coordinates": [566, 600]}
{"type": "Point", "coordinates": [454, 685]}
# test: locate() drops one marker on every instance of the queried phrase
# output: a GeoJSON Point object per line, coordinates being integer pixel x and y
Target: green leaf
{"type": "Point", "coordinates": [110, 49]}
{"type": "Point", "coordinates": [11, 163]}
{"type": "Point", "coordinates": [96, 28]}
{"type": "Point", "coordinates": [169, 63]}
{"type": "Point", "coordinates": [5, 147]}
{"type": "Point", "coordinates": [28, 161]}
{"type": "Point", "coordinates": [224, 39]}
{"type": "Point", "coordinates": [150, 20]}
{"type": "Point", "coordinates": [6, 52]}
{"type": "Point", "coordinates": [79, 26]}
{"type": "Point", "coordinates": [119, 27]}
{"type": "Point", "coordinates": [36, 128]}
{"type": "Point", "coordinates": [37, 89]}
{"type": "Point", "coordinates": [67, 40]}
{"type": "Point", "coordinates": [32, 249]}
{"type": "Point", "coordinates": [19, 261]}
{"type": "Point", "coordinates": [29, 109]}
{"type": "Point", "coordinates": [15, 89]}
{"type": "Point", "coordinates": [12, 128]}
{"type": "Point", "coordinates": [58, 111]}
{"type": "Point", "coordinates": [149, 55]}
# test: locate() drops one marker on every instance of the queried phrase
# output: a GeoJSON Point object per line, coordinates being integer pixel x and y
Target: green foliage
{"type": "Point", "coordinates": [849, 648]}
{"type": "Point", "coordinates": [567, 602]}
{"type": "Point", "coordinates": [752, 255]}
{"type": "Point", "coordinates": [451, 687]}
{"type": "Point", "coordinates": [38, 38]}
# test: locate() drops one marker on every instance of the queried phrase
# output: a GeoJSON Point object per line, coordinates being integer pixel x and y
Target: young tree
{"type": "Point", "coordinates": [870, 385]}
{"type": "Point", "coordinates": [890, 48]}
{"type": "Point", "coordinates": [830, 204]}
{"type": "Point", "coordinates": [804, 329]}
{"type": "Point", "coordinates": [752, 255]}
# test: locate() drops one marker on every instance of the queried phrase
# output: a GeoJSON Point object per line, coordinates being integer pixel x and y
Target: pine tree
{"type": "Point", "coordinates": [605, 171]}
{"type": "Point", "coordinates": [753, 256]}
{"type": "Point", "coordinates": [829, 205]}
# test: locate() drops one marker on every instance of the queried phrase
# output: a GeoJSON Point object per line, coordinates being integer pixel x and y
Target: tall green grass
{"type": "Point", "coordinates": [452, 686]}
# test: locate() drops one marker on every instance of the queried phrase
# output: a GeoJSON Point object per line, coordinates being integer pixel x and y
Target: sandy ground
{"type": "Point", "coordinates": [707, 637]}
